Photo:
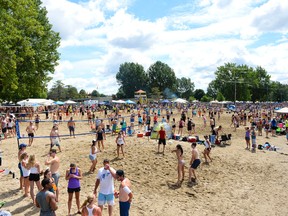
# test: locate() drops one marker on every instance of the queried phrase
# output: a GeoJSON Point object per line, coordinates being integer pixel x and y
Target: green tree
{"type": "Point", "coordinates": [83, 93]}
{"type": "Point", "coordinates": [160, 75]}
{"type": "Point", "coordinates": [28, 49]}
{"type": "Point", "coordinates": [131, 77]}
{"type": "Point", "coordinates": [206, 98]}
{"type": "Point", "coordinates": [58, 91]}
{"type": "Point", "coordinates": [220, 97]}
{"type": "Point", "coordinates": [259, 83]}
{"type": "Point", "coordinates": [233, 81]}
{"type": "Point", "coordinates": [185, 87]}
{"type": "Point", "coordinates": [198, 94]}
{"type": "Point", "coordinates": [95, 93]}
{"type": "Point", "coordinates": [212, 89]}
{"type": "Point", "coordinates": [155, 93]}
{"type": "Point", "coordinates": [71, 92]}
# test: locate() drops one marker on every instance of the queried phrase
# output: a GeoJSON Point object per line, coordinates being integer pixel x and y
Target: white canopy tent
{"type": "Point", "coordinates": [35, 102]}
{"type": "Point", "coordinates": [282, 110]}
{"type": "Point", "coordinates": [70, 102]}
{"type": "Point", "coordinates": [180, 100]}
{"type": "Point", "coordinates": [118, 101]}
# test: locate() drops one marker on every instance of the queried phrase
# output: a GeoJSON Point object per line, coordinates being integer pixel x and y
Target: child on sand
{"type": "Point", "coordinates": [181, 163]}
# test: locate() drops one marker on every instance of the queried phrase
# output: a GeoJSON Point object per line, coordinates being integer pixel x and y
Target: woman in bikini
{"type": "Point", "coordinates": [181, 163]}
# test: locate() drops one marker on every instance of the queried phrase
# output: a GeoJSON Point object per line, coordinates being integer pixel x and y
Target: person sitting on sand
{"type": "Point", "coordinates": [181, 163]}
{"type": "Point", "coordinates": [194, 162]}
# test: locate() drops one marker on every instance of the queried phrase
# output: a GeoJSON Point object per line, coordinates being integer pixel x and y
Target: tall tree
{"type": "Point", "coordinates": [131, 77]}
{"type": "Point", "coordinates": [185, 87]}
{"type": "Point", "coordinates": [82, 93]}
{"type": "Point", "coordinates": [58, 91]}
{"type": "Point", "coordinates": [233, 81]}
{"type": "Point", "coordinates": [28, 49]}
{"type": "Point", "coordinates": [162, 76]}
{"type": "Point", "coordinates": [198, 94]}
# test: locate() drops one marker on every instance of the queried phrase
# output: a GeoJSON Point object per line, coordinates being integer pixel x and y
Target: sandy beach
{"type": "Point", "coordinates": [236, 182]}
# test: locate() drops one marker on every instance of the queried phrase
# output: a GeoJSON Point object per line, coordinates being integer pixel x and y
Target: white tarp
{"type": "Point", "coordinates": [35, 102]}
{"type": "Point", "coordinates": [70, 102]}
{"type": "Point", "coordinates": [179, 100]}
{"type": "Point", "coordinates": [282, 110]}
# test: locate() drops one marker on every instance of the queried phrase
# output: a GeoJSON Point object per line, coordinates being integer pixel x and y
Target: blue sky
{"type": "Point", "coordinates": [193, 37]}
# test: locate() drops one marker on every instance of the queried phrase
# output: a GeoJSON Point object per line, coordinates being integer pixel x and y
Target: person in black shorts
{"type": "Point", "coordinates": [162, 139]}
{"type": "Point", "coordinates": [100, 135]}
{"type": "Point", "coordinates": [194, 162]}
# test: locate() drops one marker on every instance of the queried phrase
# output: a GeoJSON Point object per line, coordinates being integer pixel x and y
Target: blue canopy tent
{"type": "Point", "coordinates": [165, 101]}
{"type": "Point", "coordinates": [59, 103]}
{"type": "Point", "coordinates": [129, 102]}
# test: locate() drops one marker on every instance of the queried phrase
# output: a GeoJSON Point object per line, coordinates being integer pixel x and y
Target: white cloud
{"type": "Point", "coordinates": [193, 40]}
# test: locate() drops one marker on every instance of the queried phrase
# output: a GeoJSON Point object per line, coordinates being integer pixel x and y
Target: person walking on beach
{"type": "Point", "coordinates": [71, 126]}
{"type": "Point", "coordinates": [194, 162]}
{"type": "Point", "coordinates": [125, 194]}
{"type": "Point", "coordinates": [162, 139]}
{"type": "Point", "coordinates": [26, 172]}
{"type": "Point", "coordinates": [253, 138]}
{"type": "Point", "coordinates": [54, 163]}
{"type": "Point", "coordinates": [89, 208]}
{"type": "Point", "coordinates": [34, 176]}
{"type": "Point", "coordinates": [93, 156]}
{"type": "Point", "coordinates": [247, 138]}
{"type": "Point", "coordinates": [105, 178]}
{"type": "Point", "coordinates": [30, 130]}
{"type": "Point", "coordinates": [120, 141]}
{"type": "Point", "coordinates": [73, 175]}
{"type": "Point", "coordinates": [207, 149]}
{"type": "Point", "coordinates": [100, 135]}
{"type": "Point", "coordinates": [45, 200]}
{"type": "Point", "coordinates": [22, 149]}
{"type": "Point", "coordinates": [181, 125]}
{"type": "Point", "coordinates": [181, 163]}
{"type": "Point", "coordinates": [55, 137]}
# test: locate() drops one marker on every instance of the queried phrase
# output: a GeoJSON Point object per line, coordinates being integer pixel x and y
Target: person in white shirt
{"type": "Point", "coordinates": [105, 178]}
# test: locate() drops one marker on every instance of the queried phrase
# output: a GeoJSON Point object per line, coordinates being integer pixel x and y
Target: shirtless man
{"type": "Point", "coordinates": [125, 194]}
{"type": "Point", "coordinates": [55, 138]}
{"type": "Point", "coordinates": [54, 163]}
{"type": "Point", "coordinates": [71, 126]}
{"type": "Point", "coordinates": [194, 162]}
{"type": "Point", "coordinates": [30, 130]}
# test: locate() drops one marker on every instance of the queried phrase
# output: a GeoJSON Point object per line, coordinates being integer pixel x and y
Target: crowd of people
{"type": "Point", "coordinates": [146, 117]}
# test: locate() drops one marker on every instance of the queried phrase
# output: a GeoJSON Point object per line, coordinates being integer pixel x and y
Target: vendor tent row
{"type": "Point", "coordinates": [34, 102]}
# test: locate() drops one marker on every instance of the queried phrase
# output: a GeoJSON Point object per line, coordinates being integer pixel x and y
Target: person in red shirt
{"type": "Point", "coordinates": [162, 139]}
